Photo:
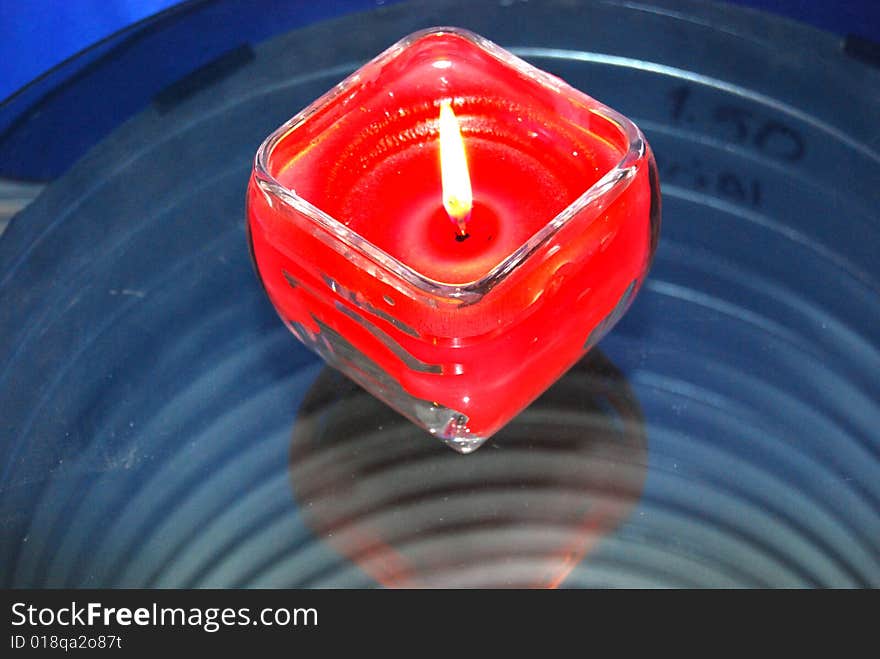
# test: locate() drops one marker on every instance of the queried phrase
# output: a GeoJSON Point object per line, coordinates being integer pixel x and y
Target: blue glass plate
{"type": "Point", "coordinates": [159, 426]}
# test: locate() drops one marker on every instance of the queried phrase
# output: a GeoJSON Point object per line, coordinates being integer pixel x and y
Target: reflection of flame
{"type": "Point", "coordinates": [521, 513]}
{"type": "Point", "coordinates": [458, 199]}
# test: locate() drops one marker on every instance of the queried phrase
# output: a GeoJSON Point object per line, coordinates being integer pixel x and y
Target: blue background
{"type": "Point", "coordinates": [150, 393]}
{"type": "Point", "coordinates": [36, 35]}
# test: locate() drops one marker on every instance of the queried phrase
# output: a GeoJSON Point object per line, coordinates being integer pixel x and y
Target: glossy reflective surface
{"type": "Point", "coordinates": [160, 427]}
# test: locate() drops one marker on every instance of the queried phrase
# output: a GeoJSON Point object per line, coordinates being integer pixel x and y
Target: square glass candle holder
{"type": "Point", "coordinates": [351, 241]}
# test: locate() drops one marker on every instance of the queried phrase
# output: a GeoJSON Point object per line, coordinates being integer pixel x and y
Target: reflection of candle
{"type": "Point", "coordinates": [566, 473]}
{"type": "Point", "coordinates": [350, 230]}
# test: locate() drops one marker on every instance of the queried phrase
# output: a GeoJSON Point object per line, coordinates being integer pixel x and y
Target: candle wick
{"type": "Point", "coordinates": [462, 237]}
{"type": "Point", "coordinates": [461, 223]}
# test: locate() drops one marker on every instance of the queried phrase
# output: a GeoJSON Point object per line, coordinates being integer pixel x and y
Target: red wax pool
{"type": "Point", "coordinates": [355, 249]}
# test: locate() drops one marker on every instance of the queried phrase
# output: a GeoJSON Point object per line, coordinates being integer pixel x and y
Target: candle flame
{"type": "Point", "coordinates": [458, 199]}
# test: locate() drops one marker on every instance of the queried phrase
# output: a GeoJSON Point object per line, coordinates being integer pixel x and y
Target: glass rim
{"type": "Point", "coordinates": [608, 187]}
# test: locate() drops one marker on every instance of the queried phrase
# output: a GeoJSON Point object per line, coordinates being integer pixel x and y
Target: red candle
{"type": "Point", "coordinates": [457, 305]}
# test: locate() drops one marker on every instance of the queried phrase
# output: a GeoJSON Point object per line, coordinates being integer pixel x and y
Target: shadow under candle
{"type": "Point", "coordinates": [520, 513]}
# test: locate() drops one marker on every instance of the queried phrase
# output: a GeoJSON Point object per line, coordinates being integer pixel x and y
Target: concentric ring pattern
{"type": "Point", "coordinates": [161, 428]}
